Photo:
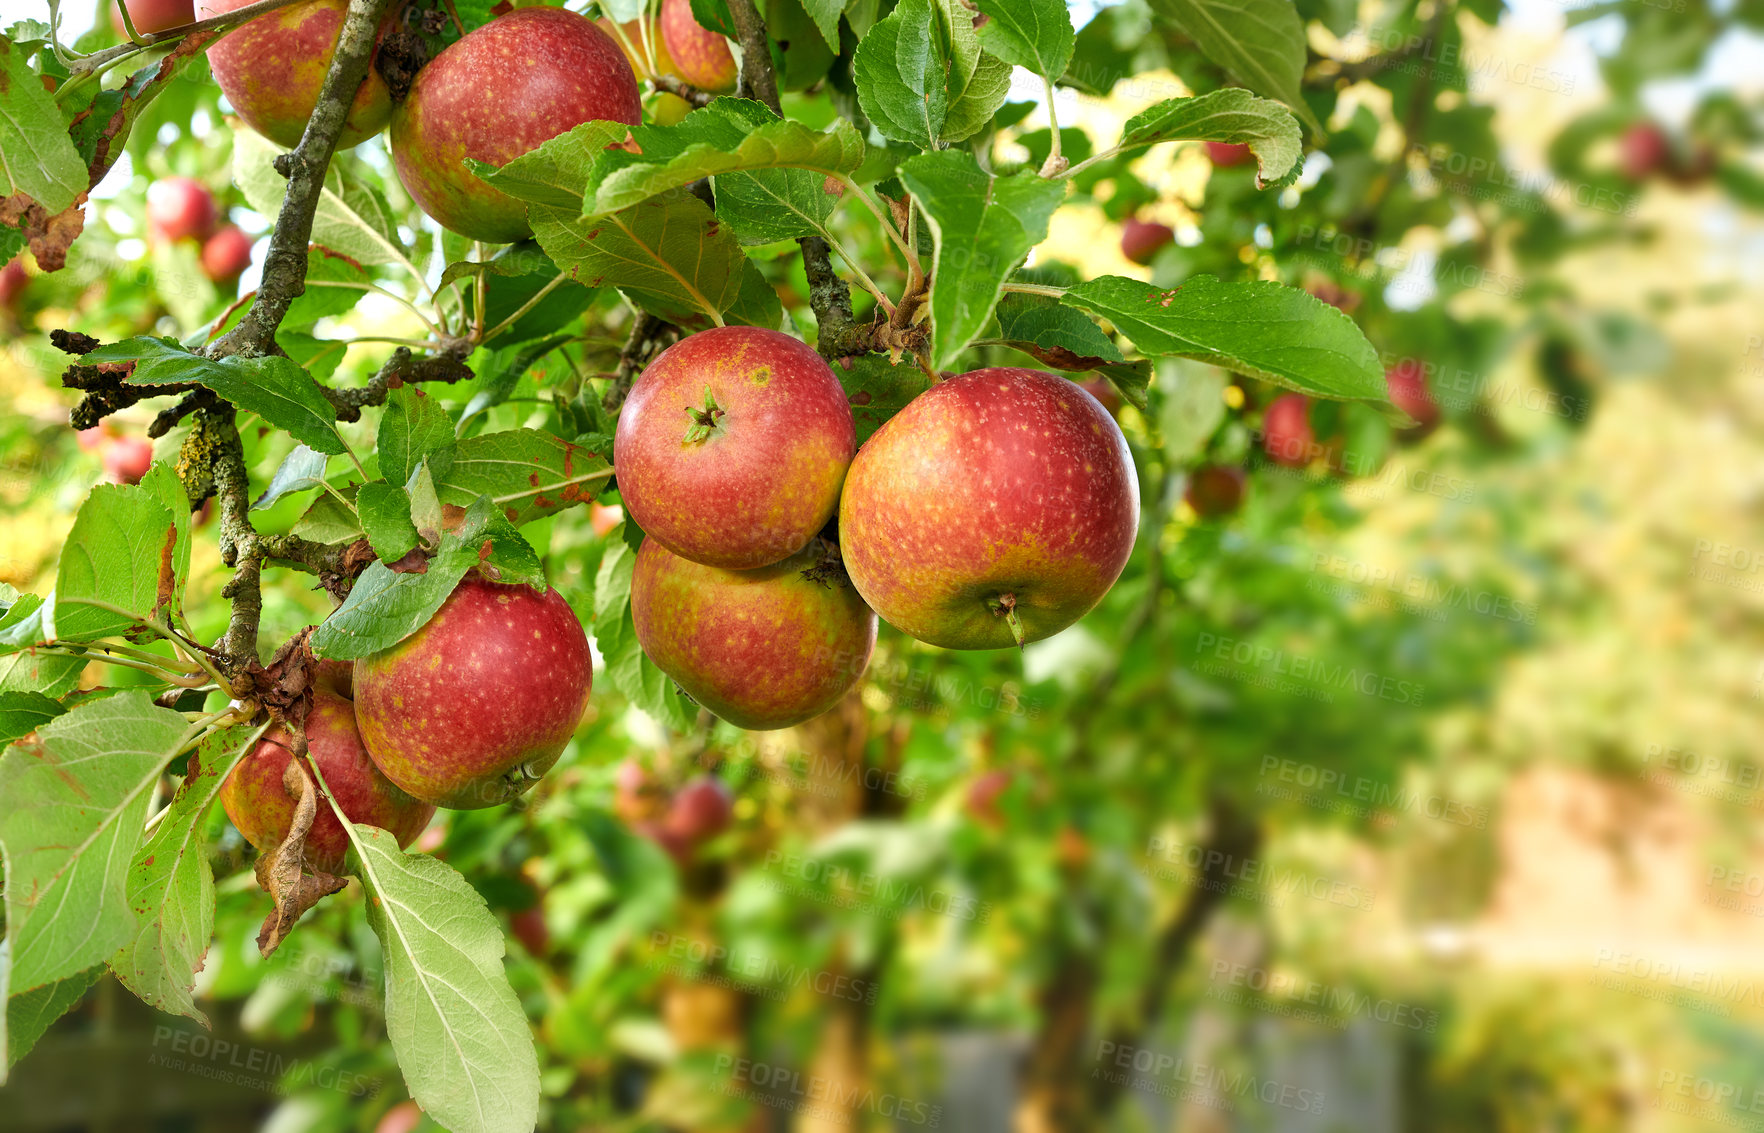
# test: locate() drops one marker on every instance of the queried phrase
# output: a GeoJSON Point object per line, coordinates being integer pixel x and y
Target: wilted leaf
{"type": "Point", "coordinates": [282, 873]}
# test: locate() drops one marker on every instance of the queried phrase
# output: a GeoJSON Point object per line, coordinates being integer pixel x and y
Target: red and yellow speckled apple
{"type": "Point", "coordinates": [271, 70]}
{"type": "Point", "coordinates": [762, 649]}
{"type": "Point", "coordinates": [997, 508]}
{"type": "Point", "coordinates": [469, 711]}
{"type": "Point", "coordinates": [1286, 431]}
{"type": "Point", "coordinates": [259, 804]}
{"type": "Point", "coordinates": [701, 56]}
{"type": "Point", "coordinates": [1407, 383]}
{"type": "Point", "coordinates": [500, 91]}
{"type": "Point", "coordinates": [732, 446]}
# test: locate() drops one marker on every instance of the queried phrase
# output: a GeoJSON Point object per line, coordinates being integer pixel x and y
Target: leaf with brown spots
{"type": "Point", "coordinates": [282, 871]}
{"type": "Point", "coordinates": [526, 473]}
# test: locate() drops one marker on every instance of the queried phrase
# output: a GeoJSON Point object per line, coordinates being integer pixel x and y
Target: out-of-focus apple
{"type": "Point", "coordinates": [179, 208]}
{"type": "Point", "coordinates": [1141, 240]}
{"type": "Point", "coordinates": [1227, 154]}
{"type": "Point", "coordinates": [127, 459]}
{"type": "Point", "coordinates": [226, 255]}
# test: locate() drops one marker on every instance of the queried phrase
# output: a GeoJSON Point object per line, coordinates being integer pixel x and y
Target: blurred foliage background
{"type": "Point", "coordinates": [1418, 793]}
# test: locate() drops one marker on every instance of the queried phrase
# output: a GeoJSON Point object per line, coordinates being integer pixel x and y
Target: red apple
{"type": "Point", "coordinates": [226, 255]}
{"type": "Point", "coordinates": [335, 677]}
{"type": "Point", "coordinates": [1215, 490]}
{"type": "Point", "coordinates": [1227, 154]}
{"type": "Point", "coordinates": [271, 70]}
{"type": "Point", "coordinates": [153, 15]}
{"type": "Point", "coordinates": [701, 56]}
{"type": "Point", "coordinates": [401, 1118]}
{"type": "Point", "coordinates": [528, 926]}
{"type": "Point", "coordinates": [997, 507]}
{"type": "Point", "coordinates": [638, 796]}
{"type": "Point", "coordinates": [260, 806]}
{"type": "Point", "coordinates": [127, 459]}
{"type": "Point", "coordinates": [747, 477]}
{"type": "Point", "coordinates": [473, 708]}
{"type": "Point", "coordinates": [763, 649]}
{"type": "Point", "coordinates": [702, 809]}
{"type": "Point", "coordinates": [1407, 383]}
{"type": "Point", "coordinates": [13, 280]}
{"type": "Point", "coordinates": [473, 101]}
{"type": "Point", "coordinates": [179, 209]}
{"type": "Point", "coordinates": [982, 799]}
{"type": "Point", "coordinates": [1642, 151]}
{"type": "Point", "coordinates": [1286, 431]}
{"type": "Point", "coordinates": [97, 438]}
{"type": "Point", "coordinates": [1141, 240]}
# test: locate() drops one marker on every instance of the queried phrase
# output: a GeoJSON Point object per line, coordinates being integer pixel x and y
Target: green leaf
{"type": "Point", "coordinates": [163, 484]}
{"type": "Point", "coordinates": [978, 82]}
{"type": "Point", "coordinates": [29, 1014]}
{"type": "Point", "coordinates": [300, 471]}
{"type": "Point", "coordinates": [386, 607]}
{"type": "Point", "coordinates": [22, 712]}
{"type": "Point", "coordinates": [668, 255]}
{"type": "Point", "coordinates": [730, 135]}
{"type": "Point", "coordinates": [171, 887]}
{"type": "Point", "coordinates": [49, 674]}
{"type": "Point", "coordinates": [559, 172]}
{"type": "Point", "coordinates": [984, 226]}
{"type": "Point", "coordinates": [413, 426]}
{"type": "Point", "coordinates": [780, 204]}
{"type": "Point", "coordinates": [385, 517]}
{"type": "Point", "coordinates": [900, 75]}
{"type": "Point", "coordinates": [1036, 34]}
{"type": "Point", "coordinates": [878, 389]}
{"type": "Point", "coordinates": [1229, 115]}
{"type": "Point", "coordinates": [527, 474]}
{"type": "Point", "coordinates": [89, 776]}
{"type": "Point", "coordinates": [122, 550]}
{"type": "Point", "coordinates": [273, 387]}
{"type": "Point", "coordinates": [629, 669]}
{"type": "Point", "coordinates": [425, 502]}
{"type": "Point", "coordinates": [352, 219]}
{"type": "Point", "coordinates": [457, 1029]}
{"type": "Point", "coordinates": [825, 14]}
{"type": "Point", "coordinates": [757, 303]}
{"type": "Point", "coordinates": [1261, 42]}
{"type": "Point", "coordinates": [1054, 334]}
{"type": "Point", "coordinates": [37, 158]}
{"type": "Point", "coordinates": [1266, 330]}
{"type": "Point", "coordinates": [325, 268]}
{"type": "Point", "coordinates": [329, 520]}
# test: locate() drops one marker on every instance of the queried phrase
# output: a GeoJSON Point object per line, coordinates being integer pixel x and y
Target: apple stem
{"type": "Point", "coordinates": [704, 421]}
{"type": "Point", "coordinates": [1006, 605]}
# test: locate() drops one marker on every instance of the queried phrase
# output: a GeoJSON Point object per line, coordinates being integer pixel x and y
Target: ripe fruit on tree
{"type": "Point", "coordinates": [153, 15]}
{"type": "Point", "coordinates": [335, 677]}
{"type": "Point", "coordinates": [271, 70]}
{"type": "Point", "coordinates": [259, 804]}
{"type": "Point", "coordinates": [701, 56]}
{"type": "Point", "coordinates": [701, 810]}
{"type": "Point", "coordinates": [998, 507]}
{"type": "Point", "coordinates": [500, 91]}
{"type": "Point", "coordinates": [1407, 383]}
{"type": "Point", "coordinates": [1141, 240]}
{"type": "Point", "coordinates": [1227, 154]}
{"type": "Point", "coordinates": [1643, 150]}
{"type": "Point", "coordinates": [126, 459]}
{"type": "Point", "coordinates": [1215, 490]}
{"type": "Point", "coordinates": [732, 446]}
{"type": "Point", "coordinates": [226, 255]}
{"type": "Point", "coordinates": [179, 209]}
{"type": "Point", "coordinates": [1286, 431]}
{"type": "Point", "coordinates": [471, 709]}
{"type": "Point", "coordinates": [765, 648]}
{"type": "Point", "coordinates": [13, 280]}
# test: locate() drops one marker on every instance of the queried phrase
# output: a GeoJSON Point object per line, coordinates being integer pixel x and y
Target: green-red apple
{"type": "Point", "coordinates": [500, 91]}
{"type": "Point", "coordinates": [732, 446]}
{"type": "Point", "coordinates": [701, 56]}
{"type": "Point", "coordinates": [258, 802]}
{"type": "Point", "coordinates": [763, 649]}
{"type": "Point", "coordinates": [998, 507]}
{"type": "Point", "coordinates": [153, 16]}
{"type": "Point", "coordinates": [271, 70]}
{"type": "Point", "coordinates": [473, 708]}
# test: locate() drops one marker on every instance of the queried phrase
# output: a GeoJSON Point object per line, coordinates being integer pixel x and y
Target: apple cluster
{"type": "Point", "coordinates": [997, 508]}
{"type": "Point", "coordinates": [468, 712]}
{"type": "Point", "coordinates": [181, 209]}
